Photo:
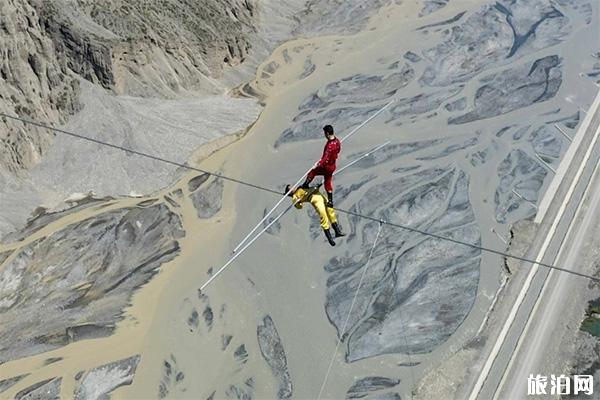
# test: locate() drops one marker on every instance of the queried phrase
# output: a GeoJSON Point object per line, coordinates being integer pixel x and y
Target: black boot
{"type": "Point", "coordinates": [329, 238]}
{"type": "Point", "coordinates": [329, 199]}
{"type": "Point", "coordinates": [306, 183]}
{"type": "Point", "coordinates": [338, 230]}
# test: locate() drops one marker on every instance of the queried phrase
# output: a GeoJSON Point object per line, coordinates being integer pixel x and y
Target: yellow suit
{"type": "Point", "coordinates": [319, 202]}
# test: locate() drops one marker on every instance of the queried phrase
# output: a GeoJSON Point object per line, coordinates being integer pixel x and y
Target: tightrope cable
{"type": "Point", "coordinates": [292, 187]}
{"type": "Point", "coordinates": [471, 245]}
{"type": "Point", "coordinates": [138, 153]}
{"type": "Point", "coordinates": [239, 249]}
{"type": "Point", "coordinates": [265, 189]}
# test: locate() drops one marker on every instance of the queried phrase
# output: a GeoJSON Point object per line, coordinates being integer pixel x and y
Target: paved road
{"type": "Point", "coordinates": [539, 340]}
{"type": "Point", "coordinates": [527, 333]}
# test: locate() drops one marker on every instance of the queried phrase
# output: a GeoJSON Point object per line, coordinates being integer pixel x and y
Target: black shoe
{"type": "Point", "coordinates": [329, 238]}
{"type": "Point", "coordinates": [338, 230]}
{"type": "Point", "coordinates": [305, 184]}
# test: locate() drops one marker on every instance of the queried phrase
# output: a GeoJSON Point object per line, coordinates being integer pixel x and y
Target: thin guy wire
{"type": "Point", "coordinates": [343, 331]}
{"type": "Point", "coordinates": [241, 182]}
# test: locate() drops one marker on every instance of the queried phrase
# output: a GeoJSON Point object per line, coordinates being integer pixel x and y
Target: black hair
{"type": "Point", "coordinates": [328, 129]}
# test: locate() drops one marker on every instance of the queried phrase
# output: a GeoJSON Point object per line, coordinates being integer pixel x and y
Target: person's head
{"type": "Point", "coordinates": [287, 189]}
{"type": "Point", "coordinates": [328, 131]}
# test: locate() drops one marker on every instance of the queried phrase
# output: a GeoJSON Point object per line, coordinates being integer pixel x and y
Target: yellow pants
{"type": "Point", "coordinates": [326, 214]}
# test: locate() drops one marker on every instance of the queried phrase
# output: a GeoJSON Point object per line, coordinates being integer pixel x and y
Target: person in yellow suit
{"type": "Point", "coordinates": [319, 202]}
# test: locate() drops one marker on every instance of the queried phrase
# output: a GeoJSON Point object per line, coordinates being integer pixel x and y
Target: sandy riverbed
{"type": "Point", "coordinates": [468, 171]}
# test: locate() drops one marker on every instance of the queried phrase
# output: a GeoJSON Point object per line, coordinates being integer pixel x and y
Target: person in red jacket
{"type": "Point", "coordinates": [326, 165]}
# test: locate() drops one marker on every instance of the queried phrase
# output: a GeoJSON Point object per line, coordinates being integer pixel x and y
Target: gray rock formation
{"type": "Point", "coordinates": [347, 96]}
{"type": "Point", "coordinates": [311, 128]}
{"type": "Point", "coordinates": [451, 149]}
{"type": "Point", "coordinates": [241, 392]}
{"type": "Point", "coordinates": [225, 340]}
{"type": "Point", "coordinates": [412, 109]}
{"type": "Point", "coordinates": [430, 282]}
{"type": "Point", "coordinates": [490, 37]}
{"type": "Point", "coordinates": [308, 69]}
{"type": "Point", "coordinates": [412, 57]}
{"type": "Point", "coordinates": [166, 50]}
{"type": "Point", "coordinates": [58, 54]}
{"type": "Point", "coordinates": [240, 354]}
{"type": "Point", "coordinates": [197, 181]}
{"type": "Point", "coordinates": [33, 84]}
{"type": "Point", "coordinates": [74, 283]}
{"type": "Point", "coordinates": [4, 255]}
{"type": "Point", "coordinates": [519, 172]}
{"type": "Point", "coordinates": [98, 383]}
{"type": "Point", "coordinates": [547, 142]}
{"type": "Point", "coordinates": [457, 105]}
{"type": "Point", "coordinates": [332, 16]}
{"type": "Point", "coordinates": [42, 218]}
{"type": "Point", "coordinates": [52, 360]}
{"type": "Point", "coordinates": [207, 197]}
{"type": "Point", "coordinates": [273, 229]}
{"type": "Point", "coordinates": [394, 151]}
{"type": "Point", "coordinates": [45, 390]}
{"type": "Point", "coordinates": [431, 6]}
{"type": "Point", "coordinates": [7, 383]}
{"type": "Point", "coordinates": [525, 25]}
{"type": "Point", "coordinates": [359, 89]}
{"type": "Point", "coordinates": [239, 362]}
{"type": "Point", "coordinates": [146, 49]}
{"type": "Point", "coordinates": [514, 89]}
{"type": "Point", "coordinates": [444, 23]}
{"type": "Point", "coordinates": [365, 386]}
{"type": "Point", "coordinates": [385, 396]}
{"type": "Point", "coordinates": [520, 133]}
{"type": "Point", "coordinates": [273, 352]}
{"type": "Point", "coordinates": [123, 45]}
{"type": "Point", "coordinates": [569, 122]}
{"type": "Point", "coordinates": [171, 378]}
{"type": "Point", "coordinates": [417, 290]}
{"type": "Point", "coordinates": [141, 49]}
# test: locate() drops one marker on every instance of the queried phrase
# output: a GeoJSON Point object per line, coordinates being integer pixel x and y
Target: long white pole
{"type": "Point", "coordinates": [382, 109]}
{"type": "Point", "coordinates": [276, 219]}
{"type": "Point", "coordinates": [361, 157]}
{"type": "Point", "coordinates": [302, 177]}
{"type": "Point", "coordinates": [232, 259]}
{"type": "Point", "coordinates": [272, 210]}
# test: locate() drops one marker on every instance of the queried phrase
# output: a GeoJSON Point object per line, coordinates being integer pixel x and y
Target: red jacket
{"type": "Point", "coordinates": [330, 153]}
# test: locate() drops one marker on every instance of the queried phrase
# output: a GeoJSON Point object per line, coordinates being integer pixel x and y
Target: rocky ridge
{"type": "Point", "coordinates": [128, 47]}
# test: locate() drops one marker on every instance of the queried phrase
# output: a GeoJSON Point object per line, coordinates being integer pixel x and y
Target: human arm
{"type": "Point", "coordinates": [326, 155]}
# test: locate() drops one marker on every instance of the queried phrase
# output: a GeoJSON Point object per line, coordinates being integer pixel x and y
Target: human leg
{"type": "Point", "coordinates": [334, 223]}
{"type": "Point", "coordinates": [318, 203]}
{"type": "Point", "coordinates": [311, 175]}
{"type": "Point", "coordinates": [328, 180]}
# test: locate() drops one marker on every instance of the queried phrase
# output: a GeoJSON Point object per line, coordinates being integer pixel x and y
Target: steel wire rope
{"type": "Point", "coordinates": [258, 187]}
